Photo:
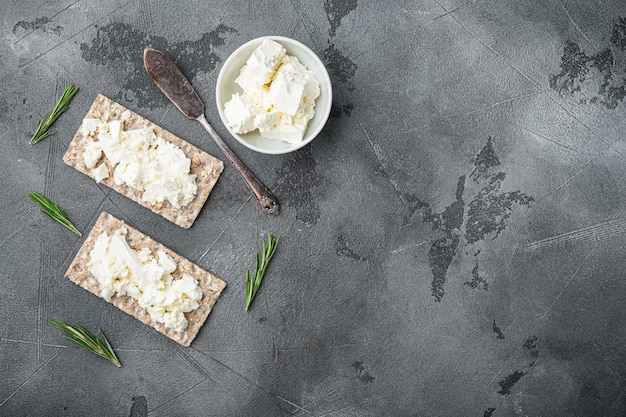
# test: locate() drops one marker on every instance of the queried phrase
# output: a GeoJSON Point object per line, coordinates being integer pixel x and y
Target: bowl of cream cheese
{"type": "Point", "coordinates": [273, 94]}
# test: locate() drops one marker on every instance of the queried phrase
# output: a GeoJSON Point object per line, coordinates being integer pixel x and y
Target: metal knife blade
{"type": "Point", "coordinates": [168, 77]}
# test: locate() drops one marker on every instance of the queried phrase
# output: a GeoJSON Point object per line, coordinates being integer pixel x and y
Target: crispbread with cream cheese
{"type": "Point", "coordinates": [206, 167]}
{"type": "Point", "coordinates": [211, 285]}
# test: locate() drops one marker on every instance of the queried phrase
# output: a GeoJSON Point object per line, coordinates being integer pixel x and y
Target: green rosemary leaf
{"type": "Point", "coordinates": [253, 282]}
{"type": "Point", "coordinates": [109, 348]}
{"type": "Point", "coordinates": [82, 337]}
{"type": "Point", "coordinates": [48, 119]}
{"type": "Point", "coordinates": [52, 211]}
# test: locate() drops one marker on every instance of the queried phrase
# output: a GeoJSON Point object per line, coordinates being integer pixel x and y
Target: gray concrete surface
{"type": "Point", "coordinates": [453, 241]}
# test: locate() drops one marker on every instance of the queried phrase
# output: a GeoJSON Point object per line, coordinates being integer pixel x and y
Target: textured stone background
{"type": "Point", "coordinates": [453, 241]}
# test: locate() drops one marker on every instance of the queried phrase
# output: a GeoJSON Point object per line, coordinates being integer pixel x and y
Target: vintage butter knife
{"type": "Point", "coordinates": [166, 75]}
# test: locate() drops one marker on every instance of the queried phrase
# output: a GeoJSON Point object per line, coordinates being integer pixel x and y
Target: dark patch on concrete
{"type": "Point", "coordinates": [41, 23]}
{"type": "Point", "coordinates": [337, 10]}
{"type": "Point", "coordinates": [485, 160]}
{"type": "Point", "coordinates": [477, 280]}
{"type": "Point", "coordinates": [414, 205]}
{"type": "Point", "coordinates": [487, 213]}
{"type": "Point", "coordinates": [440, 256]}
{"type": "Point", "coordinates": [530, 344]}
{"type": "Point", "coordinates": [618, 37]}
{"type": "Point", "coordinates": [337, 110]}
{"type": "Point", "coordinates": [601, 75]}
{"type": "Point", "coordinates": [507, 383]}
{"type": "Point", "coordinates": [451, 219]}
{"type": "Point", "coordinates": [297, 179]}
{"type": "Point", "coordinates": [262, 320]}
{"type": "Point", "coordinates": [366, 379]}
{"type": "Point", "coordinates": [443, 250]}
{"type": "Point", "coordinates": [343, 251]}
{"type": "Point", "coordinates": [497, 331]}
{"type": "Point", "coordinates": [341, 70]}
{"type": "Point", "coordinates": [489, 412]}
{"type": "Point", "coordinates": [573, 70]}
{"type": "Point", "coordinates": [531, 347]}
{"type": "Point", "coordinates": [139, 407]}
{"type": "Point", "coordinates": [347, 108]}
{"type": "Point", "coordinates": [340, 66]}
{"type": "Point", "coordinates": [363, 373]}
{"type": "Point", "coordinates": [121, 46]}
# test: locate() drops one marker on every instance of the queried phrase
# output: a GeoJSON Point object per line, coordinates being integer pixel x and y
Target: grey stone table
{"type": "Point", "coordinates": [453, 241]}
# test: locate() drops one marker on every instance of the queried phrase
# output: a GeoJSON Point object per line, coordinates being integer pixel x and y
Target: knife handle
{"type": "Point", "coordinates": [269, 203]}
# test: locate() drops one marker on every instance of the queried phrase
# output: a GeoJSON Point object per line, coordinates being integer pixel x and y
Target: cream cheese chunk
{"type": "Point", "coordinates": [141, 160]}
{"type": "Point", "coordinates": [287, 90]}
{"type": "Point", "coordinates": [101, 172]}
{"type": "Point", "coordinates": [260, 67]}
{"type": "Point", "coordinates": [241, 112]}
{"type": "Point", "coordinates": [278, 95]}
{"type": "Point", "coordinates": [147, 278]}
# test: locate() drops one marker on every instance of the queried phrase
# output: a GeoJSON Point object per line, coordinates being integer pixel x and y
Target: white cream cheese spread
{"type": "Point", "coordinates": [120, 270]}
{"type": "Point", "coordinates": [278, 95]}
{"type": "Point", "coordinates": [141, 160]}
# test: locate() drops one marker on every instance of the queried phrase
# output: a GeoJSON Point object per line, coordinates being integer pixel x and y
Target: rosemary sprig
{"type": "Point", "coordinates": [53, 211]}
{"type": "Point", "coordinates": [254, 282]}
{"type": "Point", "coordinates": [81, 336]}
{"type": "Point", "coordinates": [48, 119]}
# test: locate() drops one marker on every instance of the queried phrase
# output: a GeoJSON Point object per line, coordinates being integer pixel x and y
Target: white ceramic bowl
{"type": "Point", "coordinates": [226, 87]}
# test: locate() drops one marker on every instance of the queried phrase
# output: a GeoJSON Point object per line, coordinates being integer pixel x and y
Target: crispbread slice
{"type": "Point", "coordinates": [211, 285]}
{"type": "Point", "coordinates": [206, 167]}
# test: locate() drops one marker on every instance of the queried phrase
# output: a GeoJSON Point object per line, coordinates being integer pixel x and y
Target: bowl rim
{"type": "Point", "coordinates": [326, 80]}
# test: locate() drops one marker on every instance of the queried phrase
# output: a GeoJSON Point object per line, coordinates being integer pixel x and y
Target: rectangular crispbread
{"type": "Point", "coordinates": [211, 285]}
{"type": "Point", "coordinates": [206, 167]}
